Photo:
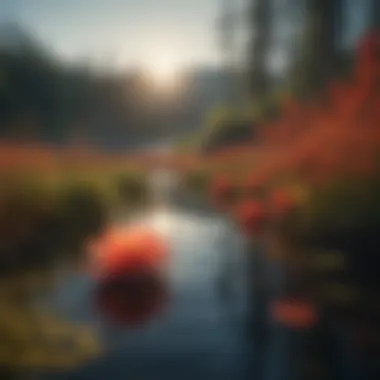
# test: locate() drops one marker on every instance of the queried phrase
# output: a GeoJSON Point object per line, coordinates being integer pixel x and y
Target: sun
{"type": "Point", "coordinates": [164, 71]}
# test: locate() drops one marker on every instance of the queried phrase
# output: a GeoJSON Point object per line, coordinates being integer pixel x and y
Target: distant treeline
{"type": "Point", "coordinates": [43, 99]}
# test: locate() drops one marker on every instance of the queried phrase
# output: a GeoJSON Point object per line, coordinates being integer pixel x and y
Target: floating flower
{"type": "Point", "coordinates": [130, 286]}
{"type": "Point", "coordinates": [123, 247]}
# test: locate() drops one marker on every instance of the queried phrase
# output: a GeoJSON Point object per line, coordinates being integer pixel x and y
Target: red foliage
{"type": "Point", "coordinates": [369, 46]}
{"type": "Point", "coordinates": [43, 158]}
{"type": "Point", "coordinates": [255, 184]}
{"type": "Point", "coordinates": [294, 313]}
{"type": "Point", "coordinates": [281, 203]}
{"type": "Point", "coordinates": [223, 193]}
{"type": "Point", "coordinates": [316, 142]}
{"type": "Point", "coordinates": [251, 217]}
{"type": "Point", "coordinates": [340, 140]}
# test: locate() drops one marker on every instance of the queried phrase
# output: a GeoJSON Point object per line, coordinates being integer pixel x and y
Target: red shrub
{"type": "Point", "coordinates": [255, 184]}
{"type": "Point", "coordinates": [223, 193]}
{"type": "Point", "coordinates": [316, 143]}
{"type": "Point", "coordinates": [294, 313]}
{"type": "Point", "coordinates": [251, 217]}
{"type": "Point", "coordinates": [369, 47]}
{"type": "Point", "coordinates": [281, 202]}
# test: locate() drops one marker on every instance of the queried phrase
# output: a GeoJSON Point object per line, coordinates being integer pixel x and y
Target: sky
{"type": "Point", "coordinates": [164, 34]}
{"type": "Point", "coordinates": [132, 32]}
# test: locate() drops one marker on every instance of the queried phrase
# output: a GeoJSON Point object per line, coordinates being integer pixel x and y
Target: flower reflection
{"type": "Point", "coordinates": [131, 299]}
{"type": "Point", "coordinates": [130, 278]}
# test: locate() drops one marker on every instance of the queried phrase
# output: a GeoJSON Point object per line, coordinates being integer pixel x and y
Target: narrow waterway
{"type": "Point", "coordinates": [199, 334]}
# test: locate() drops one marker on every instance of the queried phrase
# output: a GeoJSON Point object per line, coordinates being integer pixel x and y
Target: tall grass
{"type": "Point", "coordinates": [49, 211]}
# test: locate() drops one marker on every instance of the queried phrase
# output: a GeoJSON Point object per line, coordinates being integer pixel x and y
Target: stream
{"type": "Point", "coordinates": [199, 334]}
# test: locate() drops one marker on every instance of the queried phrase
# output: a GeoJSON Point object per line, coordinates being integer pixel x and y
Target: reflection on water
{"type": "Point", "coordinates": [201, 334]}
{"type": "Point", "coordinates": [197, 336]}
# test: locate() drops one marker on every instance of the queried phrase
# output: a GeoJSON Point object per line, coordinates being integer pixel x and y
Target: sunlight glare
{"type": "Point", "coordinates": [164, 71]}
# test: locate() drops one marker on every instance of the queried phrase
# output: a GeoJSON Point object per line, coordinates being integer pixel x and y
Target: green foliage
{"type": "Point", "coordinates": [43, 228]}
{"type": "Point", "coordinates": [196, 182]}
{"type": "Point", "coordinates": [31, 338]}
{"type": "Point", "coordinates": [189, 143]}
{"type": "Point", "coordinates": [343, 215]}
{"type": "Point", "coordinates": [42, 98]}
{"type": "Point", "coordinates": [261, 20]}
{"type": "Point", "coordinates": [40, 225]}
{"type": "Point", "coordinates": [132, 189]}
{"type": "Point", "coordinates": [226, 126]}
{"type": "Point", "coordinates": [269, 107]}
{"type": "Point", "coordinates": [81, 214]}
{"type": "Point", "coordinates": [319, 57]}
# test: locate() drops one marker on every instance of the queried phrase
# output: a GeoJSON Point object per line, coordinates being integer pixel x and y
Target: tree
{"type": "Point", "coordinates": [319, 50]}
{"type": "Point", "coordinates": [261, 27]}
{"type": "Point", "coordinates": [375, 14]}
{"type": "Point", "coordinates": [42, 98]}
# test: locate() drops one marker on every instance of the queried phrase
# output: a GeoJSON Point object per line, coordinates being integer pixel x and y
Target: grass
{"type": "Point", "coordinates": [46, 220]}
{"type": "Point", "coordinates": [132, 189]}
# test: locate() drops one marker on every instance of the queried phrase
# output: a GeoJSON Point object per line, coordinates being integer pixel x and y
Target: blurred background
{"type": "Point", "coordinates": [124, 75]}
{"type": "Point", "coordinates": [121, 112]}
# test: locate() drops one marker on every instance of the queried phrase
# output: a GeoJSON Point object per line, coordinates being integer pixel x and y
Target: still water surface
{"type": "Point", "coordinates": [199, 334]}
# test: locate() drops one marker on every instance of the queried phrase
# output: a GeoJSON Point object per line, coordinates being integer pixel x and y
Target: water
{"type": "Point", "coordinates": [199, 335]}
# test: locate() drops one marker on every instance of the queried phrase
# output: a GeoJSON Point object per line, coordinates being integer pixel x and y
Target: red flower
{"type": "Point", "coordinates": [251, 217]}
{"type": "Point", "coordinates": [127, 262]}
{"type": "Point", "coordinates": [122, 249]}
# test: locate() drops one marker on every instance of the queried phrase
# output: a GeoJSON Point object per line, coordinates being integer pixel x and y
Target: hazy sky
{"type": "Point", "coordinates": [165, 34]}
{"type": "Point", "coordinates": [125, 31]}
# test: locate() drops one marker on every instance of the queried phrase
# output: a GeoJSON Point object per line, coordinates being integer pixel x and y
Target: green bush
{"type": "Point", "coordinates": [226, 127]}
{"type": "Point", "coordinates": [343, 216]}
{"type": "Point", "coordinates": [133, 189]}
{"type": "Point", "coordinates": [345, 208]}
{"type": "Point", "coordinates": [196, 182]}
{"type": "Point", "coordinates": [24, 207]}
{"type": "Point", "coordinates": [81, 213]}
{"type": "Point", "coordinates": [40, 225]}
{"type": "Point", "coordinates": [41, 228]}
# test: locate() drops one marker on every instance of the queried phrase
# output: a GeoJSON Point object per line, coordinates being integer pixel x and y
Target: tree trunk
{"type": "Point", "coordinates": [261, 17]}
{"type": "Point", "coordinates": [319, 48]}
{"type": "Point", "coordinates": [375, 14]}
